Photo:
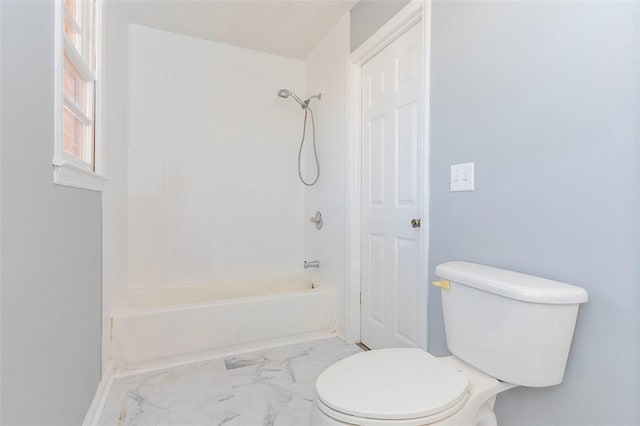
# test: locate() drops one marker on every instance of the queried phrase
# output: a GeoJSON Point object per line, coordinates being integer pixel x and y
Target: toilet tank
{"type": "Point", "coordinates": [514, 327]}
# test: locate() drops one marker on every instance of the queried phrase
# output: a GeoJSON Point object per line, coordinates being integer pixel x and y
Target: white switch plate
{"type": "Point", "coordinates": [462, 177]}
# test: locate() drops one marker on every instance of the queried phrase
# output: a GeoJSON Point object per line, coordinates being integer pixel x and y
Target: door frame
{"type": "Point", "coordinates": [417, 12]}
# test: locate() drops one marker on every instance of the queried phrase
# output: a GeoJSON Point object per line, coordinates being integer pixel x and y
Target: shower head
{"type": "Point", "coordinates": [285, 93]}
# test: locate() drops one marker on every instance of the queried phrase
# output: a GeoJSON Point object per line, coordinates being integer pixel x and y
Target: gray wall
{"type": "Point", "coordinates": [369, 15]}
{"type": "Point", "coordinates": [50, 247]}
{"type": "Point", "coordinates": [543, 96]}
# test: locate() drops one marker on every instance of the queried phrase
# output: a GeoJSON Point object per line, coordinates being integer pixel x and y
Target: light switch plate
{"type": "Point", "coordinates": [462, 177]}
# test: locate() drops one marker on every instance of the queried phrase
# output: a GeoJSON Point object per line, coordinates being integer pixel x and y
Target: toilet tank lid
{"type": "Point", "coordinates": [514, 285]}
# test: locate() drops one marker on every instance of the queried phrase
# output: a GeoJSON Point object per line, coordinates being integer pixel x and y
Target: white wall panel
{"type": "Point", "coordinates": [326, 72]}
{"type": "Point", "coordinates": [114, 139]}
{"type": "Point", "coordinates": [213, 189]}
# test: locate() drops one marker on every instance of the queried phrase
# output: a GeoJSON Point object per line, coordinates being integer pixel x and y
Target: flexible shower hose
{"type": "Point", "coordinates": [308, 110]}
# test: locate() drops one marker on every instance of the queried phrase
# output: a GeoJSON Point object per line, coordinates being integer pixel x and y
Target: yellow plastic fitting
{"type": "Point", "coordinates": [445, 285]}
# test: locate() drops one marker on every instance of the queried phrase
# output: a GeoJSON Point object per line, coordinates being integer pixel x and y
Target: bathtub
{"type": "Point", "coordinates": [195, 321]}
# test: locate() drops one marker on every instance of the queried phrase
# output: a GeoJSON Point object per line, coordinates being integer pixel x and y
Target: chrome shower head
{"type": "Point", "coordinates": [285, 93]}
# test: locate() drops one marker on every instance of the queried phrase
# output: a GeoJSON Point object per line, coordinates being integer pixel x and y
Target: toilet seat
{"type": "Point", "coordinates": [346, 419]}
{"type": "Point", "coordinates": [391, 386]}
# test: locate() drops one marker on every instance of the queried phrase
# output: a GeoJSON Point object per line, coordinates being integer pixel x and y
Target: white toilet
{"type": "Point", "coordinates": [505, 329]}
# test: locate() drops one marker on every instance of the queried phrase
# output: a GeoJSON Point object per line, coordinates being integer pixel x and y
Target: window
{"type": "Point", "coordinates": [77, 157]}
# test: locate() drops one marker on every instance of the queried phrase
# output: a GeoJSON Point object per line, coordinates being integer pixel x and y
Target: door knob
{"type": "Point", "coordinates": [415, 223]}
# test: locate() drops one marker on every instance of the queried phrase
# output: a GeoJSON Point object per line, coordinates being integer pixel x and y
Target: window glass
{"type": "Point", "coordinates": [75, 136]}
{"type": "Point", "coordinates": [78, 81]}
{"type": "Point", "coordinates": [74, 87]}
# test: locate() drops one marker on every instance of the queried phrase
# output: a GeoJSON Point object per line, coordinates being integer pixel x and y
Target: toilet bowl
{"type": "Point", "coordinates": [504, 329]}
{"type": "Point", "coordinates": [404, 387]}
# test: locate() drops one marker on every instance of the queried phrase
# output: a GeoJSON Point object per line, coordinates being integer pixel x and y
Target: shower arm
{"type": "Point", "coordinates": [300, 101]}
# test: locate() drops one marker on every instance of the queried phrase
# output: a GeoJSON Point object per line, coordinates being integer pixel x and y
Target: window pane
{"type": "Point", "coordinates": [75, 137]}
{"type": "Point", "coordinates": [73, 22]}
{"type": "Point", "coordinates": [71, 7]}
{"type": "Point", "coordinates": [74, 36]}
{"type": "Point", "coordinates": [75, 88]}
{"type": "Point", "coordinates": [78, 93]}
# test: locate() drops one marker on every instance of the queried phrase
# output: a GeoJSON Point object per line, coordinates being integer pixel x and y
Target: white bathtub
{"type": "Point", "coordinates": [164, 323]}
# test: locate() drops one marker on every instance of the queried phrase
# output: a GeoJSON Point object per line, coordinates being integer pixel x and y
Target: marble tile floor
{"type": "Point", "coordinates": [273, 387]}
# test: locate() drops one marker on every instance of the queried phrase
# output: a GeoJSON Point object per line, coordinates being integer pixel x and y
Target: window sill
{"type": "Point", "coordinates": [66, 174]}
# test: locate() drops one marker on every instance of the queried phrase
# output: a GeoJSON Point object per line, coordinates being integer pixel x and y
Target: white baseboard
{"type": "Point", "coordinates": [97, 405]}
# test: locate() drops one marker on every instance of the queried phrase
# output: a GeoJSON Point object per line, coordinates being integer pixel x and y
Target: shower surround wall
{"type": "Point", "coordinates": [326, 72]}
{"type": "Point", "coordinates": [115, 54]}
{"type": "Point", "coordinates": [212, 182]}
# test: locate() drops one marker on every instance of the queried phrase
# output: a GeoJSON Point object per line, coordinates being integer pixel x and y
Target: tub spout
{"type": "Point", "coordinates": [311, 264]}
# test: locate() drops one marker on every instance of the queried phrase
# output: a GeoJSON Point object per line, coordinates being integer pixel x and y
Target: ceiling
{"type": "Point", "coordinates": [290, 28]}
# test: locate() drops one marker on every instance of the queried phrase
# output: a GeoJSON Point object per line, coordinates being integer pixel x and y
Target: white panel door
{"type": "Point", "coordinates": [392, 191]}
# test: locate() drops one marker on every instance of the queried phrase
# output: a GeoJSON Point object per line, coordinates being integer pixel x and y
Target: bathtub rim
{"type": "Point", "coordinates": [123, 311]}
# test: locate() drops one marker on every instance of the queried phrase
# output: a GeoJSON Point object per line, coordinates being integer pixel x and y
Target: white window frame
{"type": "Point", "coordinates": [69, 170]}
